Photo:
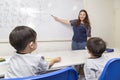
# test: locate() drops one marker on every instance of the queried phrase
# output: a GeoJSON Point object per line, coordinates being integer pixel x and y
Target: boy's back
{"type": "Point", "coordinates": [94, 67]}
{"type": "Point", "coordinates": [26, 65]}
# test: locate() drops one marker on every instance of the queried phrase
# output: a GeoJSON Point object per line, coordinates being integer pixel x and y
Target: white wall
{"type": "Point", "coordinates": [101, 14]}
{"type": "Point", "coordinates": [53, 46]}
{"type": "Point", "coordinates": [6, 49]}
{"type": "Point", "coordinates": [117, 23]}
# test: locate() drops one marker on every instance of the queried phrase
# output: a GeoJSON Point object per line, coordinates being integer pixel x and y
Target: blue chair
{"type": "Point", "coordinates": [67, 73]}
{"type": "Point", "coordinates": [111, 70]}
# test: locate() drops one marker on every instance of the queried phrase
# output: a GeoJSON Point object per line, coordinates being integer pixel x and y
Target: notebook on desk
{"type": "Point", "coordinates": [108, 50]}
{"type": "Point", "coordinates": [2, 59]}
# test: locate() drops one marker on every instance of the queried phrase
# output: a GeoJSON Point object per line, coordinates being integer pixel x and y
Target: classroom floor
{"type": "Point", "coordinates": [79, 69]}
{"type": "Point", "coordinates": [81, 77]}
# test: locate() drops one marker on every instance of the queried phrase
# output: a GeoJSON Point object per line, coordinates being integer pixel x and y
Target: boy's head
{"type": "Point", "coordinates": [96, 46]}
{"type": "Point", "coordinates": [21, 36]}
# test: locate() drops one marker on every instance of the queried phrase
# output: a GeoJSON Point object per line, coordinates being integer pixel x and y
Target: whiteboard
{"type": "Point", "coordinates": [37, 14]}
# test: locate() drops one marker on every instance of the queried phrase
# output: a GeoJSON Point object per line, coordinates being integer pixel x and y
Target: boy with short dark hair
{"type": "Point", "coordinates": [95, 64]}
{"type": "Point", "coordinates": [23, 63]}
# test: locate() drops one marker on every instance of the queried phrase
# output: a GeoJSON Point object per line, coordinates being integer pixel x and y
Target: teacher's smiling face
{"type": "Point", "coordinates": [82, 15]}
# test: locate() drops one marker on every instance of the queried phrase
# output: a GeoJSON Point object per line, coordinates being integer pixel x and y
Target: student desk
{"type": "Point", "coordinates": [4, 65]}
{"type": "Point", "coordinates": [68, 58]}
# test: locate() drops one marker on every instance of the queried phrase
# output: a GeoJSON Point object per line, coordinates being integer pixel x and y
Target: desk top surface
{"type": "Point", "coordinates": [68, 58]}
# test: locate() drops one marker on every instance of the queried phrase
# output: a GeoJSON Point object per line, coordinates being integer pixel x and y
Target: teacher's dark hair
{"type": "Point", "coordinates": [86, 20]}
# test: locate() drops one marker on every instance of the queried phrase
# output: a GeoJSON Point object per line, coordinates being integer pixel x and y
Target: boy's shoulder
{"type": "Point", "coordinates": [96, 61]}
{"type": "Point", "coordinates": [26, 56]}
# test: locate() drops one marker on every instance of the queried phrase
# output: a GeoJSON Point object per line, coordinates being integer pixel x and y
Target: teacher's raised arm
{"type": "Point", "coordinates": [64, 21]}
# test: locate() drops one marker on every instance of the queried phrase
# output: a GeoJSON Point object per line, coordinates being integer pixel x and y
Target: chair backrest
{"type": "Point", "coordinates": [67, 73]}
{"type": "Point", "coordinates": [111, 70]}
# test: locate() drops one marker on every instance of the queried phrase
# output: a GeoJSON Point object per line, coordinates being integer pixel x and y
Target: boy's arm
{"type": "Point", "coordinates": [53, 61]}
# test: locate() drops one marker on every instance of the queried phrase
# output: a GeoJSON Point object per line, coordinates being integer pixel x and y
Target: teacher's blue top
{"type": "Point", "coordinates": [80, 32]}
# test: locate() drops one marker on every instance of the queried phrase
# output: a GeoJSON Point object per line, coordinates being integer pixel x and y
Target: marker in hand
{"type": "Point", "coordinates": [56, 18]}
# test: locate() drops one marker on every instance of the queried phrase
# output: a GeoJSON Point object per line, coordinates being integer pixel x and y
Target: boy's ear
{"type": "Point", "coordinates": [87, 50]}
{"type": "Point", "coordinates": [31, 44]}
